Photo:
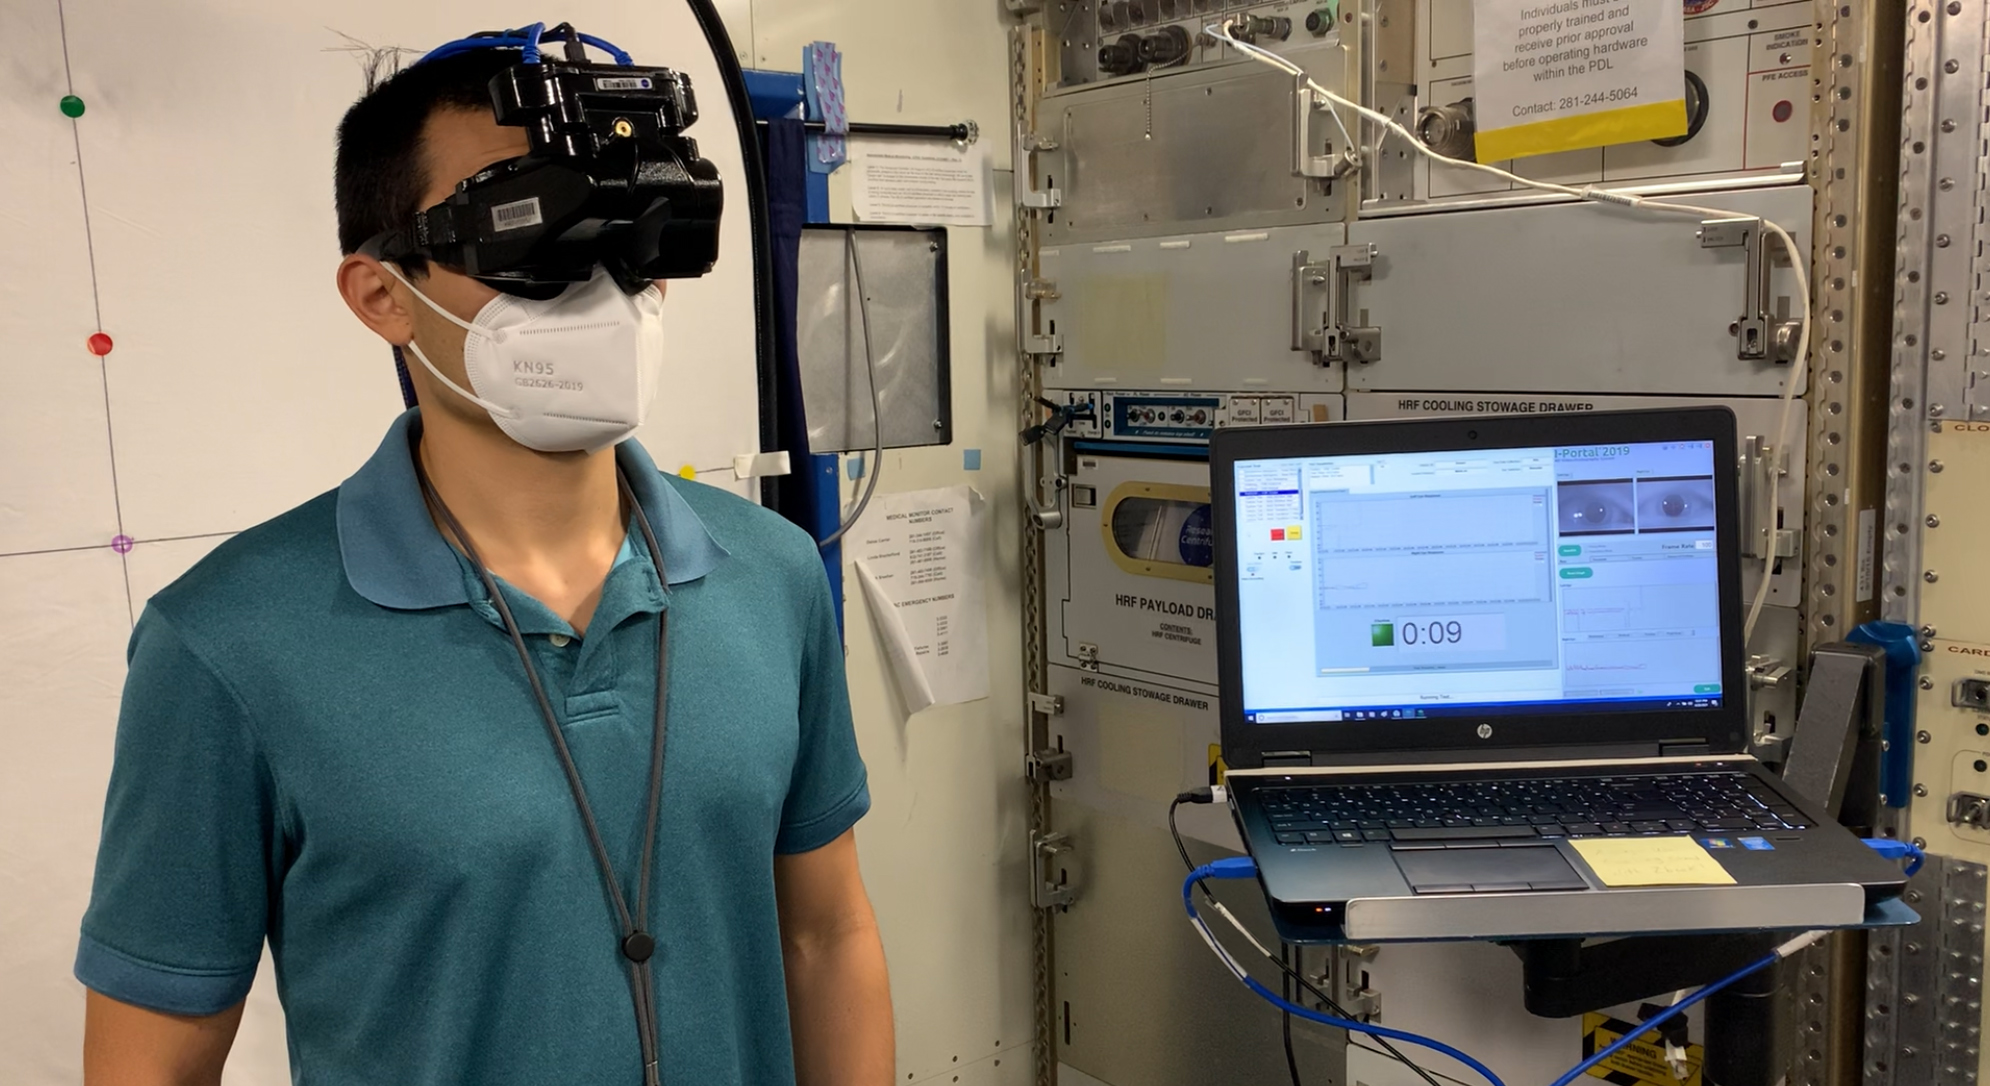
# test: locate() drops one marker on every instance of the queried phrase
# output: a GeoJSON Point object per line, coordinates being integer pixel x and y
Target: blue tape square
{"type": "Point", "coordinates": [970, 459]}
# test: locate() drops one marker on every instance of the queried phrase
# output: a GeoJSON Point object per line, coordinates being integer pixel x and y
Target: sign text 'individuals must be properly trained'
{"type": "Point", "coordinates": [1557, 75]}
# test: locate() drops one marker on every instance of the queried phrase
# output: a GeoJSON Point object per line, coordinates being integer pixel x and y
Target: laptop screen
{"type": "Point", "coordinates": [1478, 582]}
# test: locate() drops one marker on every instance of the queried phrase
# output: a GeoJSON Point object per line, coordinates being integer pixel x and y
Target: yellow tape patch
{"type": "Point", "coordinates": [1653, 121]}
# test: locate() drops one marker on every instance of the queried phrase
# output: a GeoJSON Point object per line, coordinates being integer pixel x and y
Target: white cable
{"type": "Point", "coordinates": [1239, 925]}
{"type": "Point", "coordinates": [1591, 194]}
{"type": "Point", "coordinates": [876, 463]}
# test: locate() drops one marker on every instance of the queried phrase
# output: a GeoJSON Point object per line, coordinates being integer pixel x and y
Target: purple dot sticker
{"type": "Point", "coordinates": [122, 544]}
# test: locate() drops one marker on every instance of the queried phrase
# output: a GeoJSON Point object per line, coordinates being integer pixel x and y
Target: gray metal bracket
{"type": "Point", "coordinates": [1332, 166]}
{"type": "Point", "coordinates": [1760, 337]}
{"type": "Point", "coordinates": [1027, 194]}
{"type": "Point", "coordinates": [1046, 766]}
{"type": "Point", "coordinates": [1051, 886]}
{"type": "Point", "coordinates": [1762, 465]}
{"type": "Point", "coordinates": [1322, 305]}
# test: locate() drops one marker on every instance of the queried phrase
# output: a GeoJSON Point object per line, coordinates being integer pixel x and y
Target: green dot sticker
{"type": "Point", "coordinates": [72, 106]}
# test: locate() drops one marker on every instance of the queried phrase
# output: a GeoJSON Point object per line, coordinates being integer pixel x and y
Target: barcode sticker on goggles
{"type": "Point", "coordinates": [516, 215]}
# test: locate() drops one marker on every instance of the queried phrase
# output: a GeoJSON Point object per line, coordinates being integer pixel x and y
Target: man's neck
{"type": "Point", "coordinates": [550, 523]}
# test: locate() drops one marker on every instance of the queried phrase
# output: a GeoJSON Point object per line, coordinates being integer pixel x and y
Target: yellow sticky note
{"type": "Point", "coordinates": [1651, 861]}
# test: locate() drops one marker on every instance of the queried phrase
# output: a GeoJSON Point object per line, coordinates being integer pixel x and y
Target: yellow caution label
{"type": "Point", "coordinates": [1216, 767]}
{"type": "Point", "coordinates": [1640, 1063]}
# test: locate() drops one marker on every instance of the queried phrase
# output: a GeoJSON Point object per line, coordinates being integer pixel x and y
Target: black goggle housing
{"type": "Point", "coordinates": [610, 179]}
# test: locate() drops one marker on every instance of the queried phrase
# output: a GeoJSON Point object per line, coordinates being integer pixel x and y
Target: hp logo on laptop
{"type": "Point", "coordinates": [1485, 731]}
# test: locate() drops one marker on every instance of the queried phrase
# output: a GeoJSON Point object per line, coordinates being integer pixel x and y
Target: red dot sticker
{"type": "Point", "coordinates": [99, 344]}
{"type": "Point", "coordinates": [1782, 111]}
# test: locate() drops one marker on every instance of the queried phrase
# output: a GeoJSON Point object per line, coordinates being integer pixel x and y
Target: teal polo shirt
{"type": "Point", "coordinates": [327, 741]}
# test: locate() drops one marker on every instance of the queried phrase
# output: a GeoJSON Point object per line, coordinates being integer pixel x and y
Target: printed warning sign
{"type": "Point", "coordinates": [1642, 1062]}
{"type": "Point", "coordinates": [1556, 75]}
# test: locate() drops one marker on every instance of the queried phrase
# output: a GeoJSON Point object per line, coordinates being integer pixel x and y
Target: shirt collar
{"type": "Point", "coordinates": [395, 557]}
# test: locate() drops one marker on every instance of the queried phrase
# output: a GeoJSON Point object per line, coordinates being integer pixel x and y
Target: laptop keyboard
{"type": "Point", "coordinates": [1514, 809]}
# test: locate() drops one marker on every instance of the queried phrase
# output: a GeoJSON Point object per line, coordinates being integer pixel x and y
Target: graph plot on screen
{"type": "Point", "coordinates": [1433, 581]}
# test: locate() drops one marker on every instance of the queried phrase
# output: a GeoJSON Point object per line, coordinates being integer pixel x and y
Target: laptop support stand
{"type": "Point", "coordinates": [1834, 757]}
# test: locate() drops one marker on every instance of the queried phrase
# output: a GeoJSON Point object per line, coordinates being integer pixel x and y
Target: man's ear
{"type": "Point", "coordinates": [377, 298]}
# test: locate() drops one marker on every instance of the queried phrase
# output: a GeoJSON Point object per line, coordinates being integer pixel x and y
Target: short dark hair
{"type": "Point", "coordinates": [380, 174]}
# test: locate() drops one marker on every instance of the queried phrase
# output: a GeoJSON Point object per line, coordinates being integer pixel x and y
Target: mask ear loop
{"type": "Point", "coordinates": [494, 409]}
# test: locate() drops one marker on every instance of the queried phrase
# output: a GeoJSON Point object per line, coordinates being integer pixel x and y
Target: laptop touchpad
{"type": "Point", "coordinates": [1486, 870]}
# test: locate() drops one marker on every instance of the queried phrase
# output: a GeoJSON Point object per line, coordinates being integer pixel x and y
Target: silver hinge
{"type": "Point", "coordinates": [1051, 888]}
{"type": "Point", "coordinates": [1029, 195]}
{"type": "Point", "coordinates": [1045, 766]}
{"type": "Point", "coordinates": [1043, 346]}
{"type": "Point", "coordinates": [1322, 307]}
{"type": "Point", "coordinates": [1762, 465]}
{"type": "Point", "coordinates": [1760, 337]}
{"type": "Point", "coordinates": [1040, 290]}
{"type": "Point", "coordinates": [1306, 102]}
{"type": "Point", "coordinates": [1350, 982]}
{"type": "Point", "coordinates": [1041, 199]}
{"type": "Point", "coordinates": [1769, 673]}
{"type": "Point", "coordinates": [1088, 656]}
{"type": "Point", "coordinates": [1047, 704]}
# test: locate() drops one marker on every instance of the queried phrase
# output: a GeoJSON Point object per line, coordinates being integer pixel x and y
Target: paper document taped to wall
{"type": "Point", "coordinates": [920, 182]}
{"type": "Point", "coordinates": [1557, 75]}
{"type": "Point", "coordinates": [918, 557]}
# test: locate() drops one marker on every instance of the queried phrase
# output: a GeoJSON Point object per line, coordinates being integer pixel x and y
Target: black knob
{"type": "Point", "coordinates": [1698, 105]}
{"type": "Point", "coordinates": [1165, 47]}
{"type": "Point", "coordinates": [1121, 57]}
{"type": "Point", "coordinates": [1178, 416]}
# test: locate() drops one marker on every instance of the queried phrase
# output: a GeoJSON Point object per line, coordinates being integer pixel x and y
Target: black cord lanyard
{"type": "Point", "coordinates": [637, 944]}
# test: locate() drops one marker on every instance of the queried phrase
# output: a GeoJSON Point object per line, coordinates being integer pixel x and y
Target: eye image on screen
{"type": "Point", "coordinates": [1597, 507]}
{"type": "Point", "coordinates": [1675, 505]}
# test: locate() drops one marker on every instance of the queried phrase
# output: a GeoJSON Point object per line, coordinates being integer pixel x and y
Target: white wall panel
{"type": "Point", "coordinates": [63, 625]}
{"type": "Point", "coordinates": [944, 850]}
{"type": "Point", "coordinates": [55, 487]}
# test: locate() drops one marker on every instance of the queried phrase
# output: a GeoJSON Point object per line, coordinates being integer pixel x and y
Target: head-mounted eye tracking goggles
{"type": "Point", "coordinates": [610, 178]}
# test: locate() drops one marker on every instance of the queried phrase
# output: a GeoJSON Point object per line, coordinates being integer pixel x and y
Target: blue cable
{"type": "Point", "coordinates": [1242, 867]}
{"type": "Point", "coordinates": [526, 40]}
{"type": "Point", "coordinates": [613, 50]}
{"type": "Point", "coordinates": [1891, 849]}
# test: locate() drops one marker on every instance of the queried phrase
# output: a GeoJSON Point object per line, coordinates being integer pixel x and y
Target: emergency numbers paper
{"type": "Point", "coordinates": [919, 560]}
{"type": "Point", "coordinates": [1557, 75]}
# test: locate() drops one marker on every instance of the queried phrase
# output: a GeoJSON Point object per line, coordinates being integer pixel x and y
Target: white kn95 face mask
{"type": "Point", "coordinates": [572, 373]}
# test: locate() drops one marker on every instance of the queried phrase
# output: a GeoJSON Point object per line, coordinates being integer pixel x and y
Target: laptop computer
{"type": "Point", "coordinates": [1485, 677]}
